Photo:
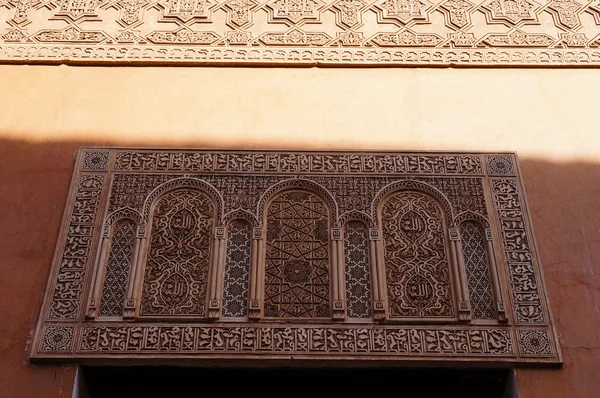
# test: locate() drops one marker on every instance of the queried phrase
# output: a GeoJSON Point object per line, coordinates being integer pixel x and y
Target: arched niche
{"type": "Point", "coordinates": [182, 221]}
{"type": "Point", "coordinates": [416, 260]}
{"type": "Point", "coordinates": [297, 253]}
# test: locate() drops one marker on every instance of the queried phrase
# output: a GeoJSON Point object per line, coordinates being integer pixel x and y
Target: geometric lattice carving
{"type": "Point", "coordinates": [417, 269]}
{"type": "Point", "coordinates": [478, 270]}
{"type": "Point", "coordinates": [237, 272]}
{"type": "Point", "coordinates": [297, 257]}
{"type": "Point", "coordinates": [175, 281]}
{"type": "Point", "coordinates": [117, 270]}
{"type": "Point", "coordinates": [358, 277]}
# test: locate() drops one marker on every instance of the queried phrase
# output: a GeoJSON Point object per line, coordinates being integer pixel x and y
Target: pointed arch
{"type": "Point", "coordinates": [124, 212]}
{"type": "Point", "coordinates": [298, 183]}
{"type": "Point", "coordinates": [355, 215]}
{"type": "Point", "coordinates": [416, 186]}
{"type": "Point", "coordinates": [470, 216]}
{"type": "Point", "coordinates": [240, 214]}
{"type": "Point", "coordinates": [185, 183]}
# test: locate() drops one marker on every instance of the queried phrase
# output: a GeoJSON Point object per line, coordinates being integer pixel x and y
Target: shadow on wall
{"type": "Point", "coordinates": [564, 200]}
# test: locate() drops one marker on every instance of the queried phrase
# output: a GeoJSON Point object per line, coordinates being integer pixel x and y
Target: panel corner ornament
{"type": "Point", "coordinates": [95, 160]}
{"type": "Point", "coordinates": [499, 165]}
{"type": "Point", "coordinates": [534, 342]}
{"type": "Point", "coordinates": [57, 339]}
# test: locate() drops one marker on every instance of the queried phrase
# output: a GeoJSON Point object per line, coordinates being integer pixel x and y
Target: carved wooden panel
{"type": "Point", "coordinates": [237, 273]}
{"type": "Point", "coordinates": [167, 254]}
{"type": "Point", "coordinates": [416, 262]}
{"type": "Point", "coordinates": [176, 273]}
{"type": "Point", "coordinates": [118, 269]}
{"type": "Point", "coordinates": [358, 275]}
{"type": "Point", "coordinates": [297, 257]}
{"type": "Point", "coordinates": [302, 32]}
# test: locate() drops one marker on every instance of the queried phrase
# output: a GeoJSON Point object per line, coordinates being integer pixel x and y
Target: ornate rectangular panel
{"type": "Point", "coordinates": [169, 254]}
{"type": "Point", "coordinates": [302, 32]}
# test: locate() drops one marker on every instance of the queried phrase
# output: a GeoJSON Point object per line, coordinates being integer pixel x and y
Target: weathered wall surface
{"type": "Point", "coordinates": [548, 116]}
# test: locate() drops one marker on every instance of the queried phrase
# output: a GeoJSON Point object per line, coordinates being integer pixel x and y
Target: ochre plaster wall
{"type": "Point", "coordinates": [548, 116]}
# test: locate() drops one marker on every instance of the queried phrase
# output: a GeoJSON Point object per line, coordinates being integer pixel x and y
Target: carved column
{"type": "Point", "coordinates": [339, 291]}
{"type": "Point", "coordinates": [214, 302]}
{"type": "Point", "coordinates": [99, 270]}
{"type": "Point", "coordinates": [500, 309]}
{"type": "Point", "coordinates": [460, 278]}
{"type": "Point", "coordinates": [136, 264]}
{"type": "Point", "coordinates": [255, 273]}
{"type": "Point", "coordinates": [377, 274]}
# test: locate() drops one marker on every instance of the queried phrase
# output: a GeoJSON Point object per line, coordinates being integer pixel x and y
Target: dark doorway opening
{"type": "Point", "coordinates": [171, 382]}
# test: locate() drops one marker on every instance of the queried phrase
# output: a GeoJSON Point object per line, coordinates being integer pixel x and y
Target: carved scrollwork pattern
{"type": "Point", "coordinates": [66, 300]}
{"type": "Point", "coordinates": [477, 269]}
{"type": "Point", "coordinates": [237, 272]}
{"type": "Point", "coordinates": [416, 263]}
{"type": "Point", "coordinates": [118, 268]}
{"type": "Point", "coordinates": [527, 302]}
{"type": "Point", "coordinates": [175, 281]}
{"type": "Point", "coordinates": [358, 277]}
{"type": "Point", "coordinates": [297, 257]}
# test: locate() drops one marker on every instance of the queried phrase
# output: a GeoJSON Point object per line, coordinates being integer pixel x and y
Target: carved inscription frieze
{"type": "Point", "coordinates": [77, 248]}
{"type": "Point", "coordinates": [233, 254]}
{"type": "Point", "coordinates": [302, 32]}
{"type": "Point", "coordinates": [276, 340]}
{"type": "Point", "coordinates": [516, 244]}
